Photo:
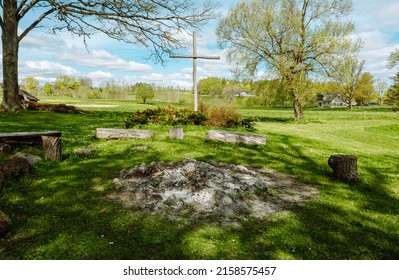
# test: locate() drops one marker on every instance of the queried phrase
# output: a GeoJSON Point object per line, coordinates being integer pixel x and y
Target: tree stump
{"type": "Point", "coordinates": [344, 167]}
{"type": "Point", "coordinates": [176, 133]}
{"type": "Point", "coordinates": [52, 148]}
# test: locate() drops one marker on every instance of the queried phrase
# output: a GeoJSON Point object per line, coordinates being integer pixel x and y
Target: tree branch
{"type": "Point", "coordinates": [35, 24]}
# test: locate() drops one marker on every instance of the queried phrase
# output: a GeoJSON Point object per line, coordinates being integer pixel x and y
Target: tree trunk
{"type": "Point", "coordinates": [52, 148]}
{"type": "Point", "coordinates": [344, 167]}
{"type": "Point", "coordinates": [297, 107]}
{"type": "Point", "coordinates": [11, 100]}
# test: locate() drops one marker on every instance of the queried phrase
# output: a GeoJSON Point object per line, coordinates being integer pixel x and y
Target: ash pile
{"type": "Point", "coordinates": [194, 190]}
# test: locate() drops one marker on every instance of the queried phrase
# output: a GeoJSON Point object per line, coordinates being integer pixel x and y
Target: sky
{"type": "Point", "coordinates": [45, 56]}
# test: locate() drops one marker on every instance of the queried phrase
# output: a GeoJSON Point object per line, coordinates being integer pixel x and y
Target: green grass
{"type": "Point", "coordinates": [60, 210]}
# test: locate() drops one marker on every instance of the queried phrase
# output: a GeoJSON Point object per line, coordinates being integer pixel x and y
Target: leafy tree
{"type": "Point", "coordinates": [48, 89]}
{"type": "Point", "coordinates": [366, 91]}
{"type": "Point", "coordinates": [345, 73]}
{"type": "Point", "coordinates": [65, 85]}
{"type": "Point", "coordinates": [211, 86]}
{"type": "Point", "coordinates": [393, 93]}
{"type": "Point", "coordinates": [144, 91]}
{"type": "Point", "coordinates": [154, 24]}
{"type": "Point", "coordinates": [31, 85]}
{"type": "Point", "coordinates": [291, 38]}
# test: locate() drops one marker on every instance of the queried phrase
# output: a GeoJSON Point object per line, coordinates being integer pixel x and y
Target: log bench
{"type": "Point", "coordinates": [235, 137]}
{"type": "Point", "coordinates": [49, 140]}
{"type": "Point", "coordinates": [112, 133]}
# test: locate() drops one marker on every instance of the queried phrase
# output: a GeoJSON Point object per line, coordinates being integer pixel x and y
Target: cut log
{"type": "Point", "coordinates": [110, 133]}
{"type": "Point", "coordinates": [344, 167]}
{"type": "Point", "coordinates": [236, 137]}
{"type": "Point", "coordinates": [176, 133]}
{"type": "Point", "coordinates": [52, 148]}
{"type": "Point", "coordinates": [27, 138]}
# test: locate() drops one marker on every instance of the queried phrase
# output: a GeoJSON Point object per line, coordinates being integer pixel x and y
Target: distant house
{"type": "Point", "coordinates": [331, 100]}
{"type": "Point", "coordinates": [244, 94]}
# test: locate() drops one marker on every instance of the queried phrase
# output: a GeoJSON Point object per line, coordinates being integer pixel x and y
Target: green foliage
{"type": "Point", "coordinates": [393, 93]}
{"type": "Point", "coordinates": [48, 89]}
{"type": "Point", "coordinates": [30, 84]}
{"type": "Point", "coordinates": [144, 91]}
{"type": "Point", "coordinates": [165, 116]}
{"type": "Point", "coordinates": [217, 117]}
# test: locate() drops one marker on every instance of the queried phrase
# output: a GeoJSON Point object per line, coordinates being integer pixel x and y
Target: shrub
{"type": "Point", "coordinates": [217, 117]}
{"type": "Point", "coordinates": [166, 116]}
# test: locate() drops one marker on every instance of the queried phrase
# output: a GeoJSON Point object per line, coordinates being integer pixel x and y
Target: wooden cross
{"type": "Point", "coordinates": [194, 57]}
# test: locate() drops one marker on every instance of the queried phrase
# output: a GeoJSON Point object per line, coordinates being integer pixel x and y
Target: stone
{"type": "Point", "coordinates": [5, 149]}
{"type": "Point", "coordinates": [32, 159]}
{"type": "Point", "coordinates": [141, 148]}
{"type": "Point", "coordinates": [235, 137]}
{"type": "Point", "coordinates": [85, 151]}
{"type": "Point", "coordinates": [14, 165]}
{"type": "Point", "coordinates": [5, 223]}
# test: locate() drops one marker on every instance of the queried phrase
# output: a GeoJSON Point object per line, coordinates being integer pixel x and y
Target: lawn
{"type": "Point", "coordinates": [59, 210]}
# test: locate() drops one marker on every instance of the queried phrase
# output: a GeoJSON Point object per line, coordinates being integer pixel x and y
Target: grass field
{"type": "Point", "coordinates": [59, 210]}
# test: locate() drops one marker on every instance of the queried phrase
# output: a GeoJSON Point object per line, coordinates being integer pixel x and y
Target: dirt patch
{"type": "Point", "coordinates": [194, 190]}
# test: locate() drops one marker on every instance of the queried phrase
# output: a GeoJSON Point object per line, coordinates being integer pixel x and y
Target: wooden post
{"type": "Point", "coordinates": [52, 148]}
{"type": "Point", "coordinates": [344, 167]}
{"type": "Point", "coordinates": [176, 133]}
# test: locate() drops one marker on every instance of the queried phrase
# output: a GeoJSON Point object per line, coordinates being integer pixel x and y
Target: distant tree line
{"type": "Point", "coordinates": [84, 88]}
{"type": "Point", "coordinates": [274, 93]}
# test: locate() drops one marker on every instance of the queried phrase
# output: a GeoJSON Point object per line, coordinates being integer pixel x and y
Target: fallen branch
{"type": "Point", "coordinates": [57, 108]}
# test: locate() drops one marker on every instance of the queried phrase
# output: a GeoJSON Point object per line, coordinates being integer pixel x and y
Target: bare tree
{"type": "Point", "coordinates": [291, 38]}
{"type": "Point", "coordinates": [151, 23]}
{"type": "Point", "coordinates": [345, 73]}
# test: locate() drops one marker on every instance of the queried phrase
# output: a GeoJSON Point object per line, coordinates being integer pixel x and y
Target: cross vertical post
{"type": "Point", "coordinates": [194, 57]}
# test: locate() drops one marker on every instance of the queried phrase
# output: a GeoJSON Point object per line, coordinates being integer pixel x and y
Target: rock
{"type": "Point", "coordinates": [85, 151]}
{"type": "Point", "coordinates": [5, 149]}
{"type": "Point", "coordinates": [141, 148]}
{"type": "Point", "coordinates": [5, 223]}
{"type": "Point", "coordinates": [32, 159]}
{"type": "Point", "coordinates": [14, 165]}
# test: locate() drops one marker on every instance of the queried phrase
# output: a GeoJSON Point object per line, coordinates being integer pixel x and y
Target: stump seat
{"type": "Point", "coordinates": [49, 140]}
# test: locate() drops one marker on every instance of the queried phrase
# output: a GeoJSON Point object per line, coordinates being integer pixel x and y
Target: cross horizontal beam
{"type": "Point", "coordinates": [195, 57]}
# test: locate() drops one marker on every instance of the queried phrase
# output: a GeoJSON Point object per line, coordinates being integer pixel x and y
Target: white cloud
{"type": "Point", "coordinates": [105, 60]}
{"type": "Point", "coordinates": [45, 68]}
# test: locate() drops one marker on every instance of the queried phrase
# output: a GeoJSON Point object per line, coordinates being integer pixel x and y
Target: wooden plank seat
{"type": "Point", "coordinates": [49, 140]}
{"type": "Point", "coordinates": [235, 137]}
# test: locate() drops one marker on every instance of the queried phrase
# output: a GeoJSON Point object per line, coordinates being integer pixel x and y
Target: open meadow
{"type": "Point", "coordinates": [60, 211]}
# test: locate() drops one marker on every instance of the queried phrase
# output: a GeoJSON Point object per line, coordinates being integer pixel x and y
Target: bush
{"type": "Point", "coordinates": [166, 116]}
{"type": "Point", "coordinates": [217, 117]}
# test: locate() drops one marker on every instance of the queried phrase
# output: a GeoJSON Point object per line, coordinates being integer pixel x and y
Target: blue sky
{"type": "Point", "coordinates": [46, 56]}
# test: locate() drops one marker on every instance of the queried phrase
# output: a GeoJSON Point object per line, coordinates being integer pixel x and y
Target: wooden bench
{"type": "Point", "coordinates": [112, 133]}
{"type": "Point", "coordinates": [235, 137]}
{"type": "Point", "coordinates": [49, 140]}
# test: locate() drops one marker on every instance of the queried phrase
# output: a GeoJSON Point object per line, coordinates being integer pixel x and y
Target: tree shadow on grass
{"type": "Point", "coordinates": [59, 210]}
